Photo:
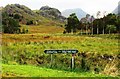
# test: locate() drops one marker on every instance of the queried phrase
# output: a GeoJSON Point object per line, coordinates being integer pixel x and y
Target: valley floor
{"type": "Point", "coordinates": [29, 49]}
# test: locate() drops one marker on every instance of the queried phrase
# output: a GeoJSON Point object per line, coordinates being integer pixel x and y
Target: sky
{"type": "Point", "coordinates": [89, 6]}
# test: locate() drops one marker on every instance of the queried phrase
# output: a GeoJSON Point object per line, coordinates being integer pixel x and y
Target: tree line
{"type": "Point", "coordinates": [89, 25]}
{"type": "Point", "coordinates": [10, 24]}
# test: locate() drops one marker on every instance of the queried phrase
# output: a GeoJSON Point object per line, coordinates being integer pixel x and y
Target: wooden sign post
{"type": "Point", "coordinates": [73, 52]}
{"type": "Point", "coordinates": [51, 60]}
{"type": "Point", "coordinates": [72, 61]}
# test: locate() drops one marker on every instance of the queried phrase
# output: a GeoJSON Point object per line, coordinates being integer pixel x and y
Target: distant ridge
{"type": "Point", "coordinates": [79, 12]}
{"type": "Point", "coordinates": [117, 9]}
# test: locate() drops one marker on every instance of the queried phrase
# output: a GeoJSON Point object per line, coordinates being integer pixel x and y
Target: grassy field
{"type": "Point", "coordinates": [49, 29]}
{"type": "Point", "coordinates": [25, 71]}
{"type": "Point", "coordinates": [97, 53]}
{"type": "Point", "coordinates": [49, 41]}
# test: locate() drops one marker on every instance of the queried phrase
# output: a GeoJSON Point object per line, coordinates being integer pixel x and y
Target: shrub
{"type": "Point", "coordinates": [29, 22]}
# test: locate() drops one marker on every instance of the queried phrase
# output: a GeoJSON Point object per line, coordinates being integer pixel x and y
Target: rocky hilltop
{"type": "Point", "coordinates": [49, 12]}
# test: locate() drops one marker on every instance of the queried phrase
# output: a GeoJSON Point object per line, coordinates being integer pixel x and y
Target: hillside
{"type": "Point", "coordinates": [21, 10]}
{"type": "Point", "coordinates": [26, 16]}
{"type": "Point", "coordinates": [79, 12]}
{"type": "Point", "coordinates": [42, 29]}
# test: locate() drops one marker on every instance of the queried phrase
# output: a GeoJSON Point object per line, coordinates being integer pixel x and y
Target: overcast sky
{"type": "Point", "coordinates": [89, 6]}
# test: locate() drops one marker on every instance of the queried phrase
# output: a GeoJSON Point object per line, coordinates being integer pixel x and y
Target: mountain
{"type": "Point", "coordinates": [21, 13]}
{"type": "Point", "coordinates": [27, 16]}
{"type": "Point", "coordinates": [49, 12]}
{"type": "Point", "coordinates": [19, 9]}
{"type": "Point", "coordinates": [117, 9]}
{"type": "Point", "coordinates": [79, 12]}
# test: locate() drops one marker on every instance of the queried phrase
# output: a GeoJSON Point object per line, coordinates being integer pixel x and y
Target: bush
{"type": "Point", "coordinates": [111, 28]}
{"type": "Point", "coordinates": [64, 32]}
{"type": "Point", "coordinates": [29, 22]}
{"type": "Point", "coordinates": [24, 31]}
{"type": "Point", "coordinates": [10, 25]}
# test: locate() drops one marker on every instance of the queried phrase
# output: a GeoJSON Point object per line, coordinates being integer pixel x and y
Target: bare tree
{"type": "Point", "coordinates": [91, 20]}
{"type": "Point", "coordinates": [83, 22]}
{"type": "Point", "coordinates": [87, 21]}
{"type": "Point", "coordinates": [104, 14]}
{"type": "Point", "coordinates": [98, 15]}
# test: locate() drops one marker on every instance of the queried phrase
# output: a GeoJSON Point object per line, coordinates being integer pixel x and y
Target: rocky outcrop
{"type": "Point", "coordinates": [49, 12]}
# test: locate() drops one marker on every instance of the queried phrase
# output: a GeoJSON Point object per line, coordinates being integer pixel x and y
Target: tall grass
{"type": "Point", "coordinates": [31, 53]}
{"type": "Point", "coordinates": [95, 52]}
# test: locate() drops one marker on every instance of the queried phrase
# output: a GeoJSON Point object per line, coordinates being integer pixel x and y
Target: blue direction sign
{"type": "Point", "coordinates": [61, 51]}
